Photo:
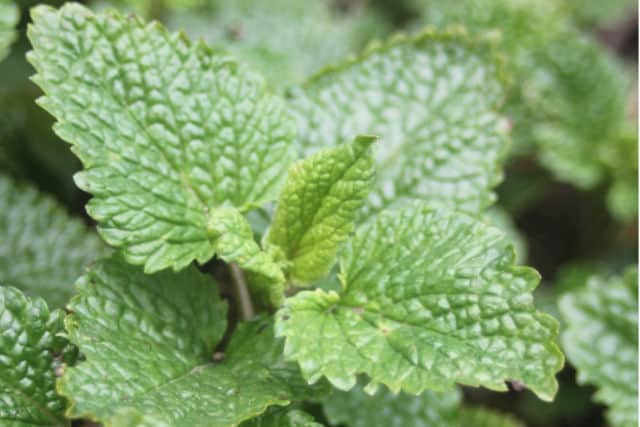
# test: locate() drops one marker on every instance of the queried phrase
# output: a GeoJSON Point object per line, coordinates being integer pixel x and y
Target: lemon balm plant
{"type": "Point", "coordinates": [377, 279]}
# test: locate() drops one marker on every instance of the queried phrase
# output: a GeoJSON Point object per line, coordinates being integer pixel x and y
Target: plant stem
{"type": "Point", "coordinates": [242, 292]}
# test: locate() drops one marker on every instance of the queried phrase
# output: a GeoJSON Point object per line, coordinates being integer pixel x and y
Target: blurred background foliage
{"type": "Point", "coordinates": [569, 200]}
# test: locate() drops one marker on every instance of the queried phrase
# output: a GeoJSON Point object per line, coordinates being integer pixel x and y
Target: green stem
{"type": "Point", "coordinates": [243, 298]}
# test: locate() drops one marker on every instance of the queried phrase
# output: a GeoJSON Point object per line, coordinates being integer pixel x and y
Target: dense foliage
{"type": "Point", "coordinates": [316, 213]}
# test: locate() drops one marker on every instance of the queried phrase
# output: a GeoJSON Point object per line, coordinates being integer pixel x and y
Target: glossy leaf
{"type": "Point", "coordinates": [318, 206]}
{"type": "Point", "coordinates": [179, 131]}
{"type": "Point", "coordinates": [429, 298]}
{"type": "Point", "coordinates": [601, 340]}
{"type": "Point", "coordinates": [30, 354]}
{"type": "Point", "coordinates": [433, 100]}
{"type": "Point", "coordinates": [9, 16]}
{"type": "Point", "coordinates": [149, 344]}
{"type": "Point", "coordinates": [356, 408]}
{"type": "Point", "coordinates": [43, 250]}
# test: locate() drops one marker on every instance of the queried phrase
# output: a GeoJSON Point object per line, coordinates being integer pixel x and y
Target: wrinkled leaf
{"type": "Point", "coordinates": [356, 408]}
{"type": "Point", "coordinates": [429, 298]}
{"type": "Point", "coordinates": [433, 101]}
{"type": "Point", "coordinates": [149, 344]}
{"type": "Point", "coordinates": [601, 340]}
{"type": "Point", "coordinates": [318, 206]}
{"type": "Point", "coordinates": [42, 249]}
{"type": "Point", "coordinates": [179, 131]}
{"type": "Point", "coordinates": [30, 354]}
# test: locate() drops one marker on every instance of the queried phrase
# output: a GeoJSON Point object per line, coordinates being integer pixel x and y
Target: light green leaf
{"type": "Point", "coordinates": [30, 354]}
{"type": "Point", "coordinates": [432, 99]}
{"type": "Point", "coordinates": [318, 206]}
{"type": "Point", "coordinates": [42, 249]}
{"type": "Point", "coordinates": [179, 131]}
{"type": "Point", "coordinates": [500, 218]}
{"type": "Point", "coordinates": [234, 243]}
{"type": "Point", "coordinates": [149, 344]}
{"type": "Point", "coordinates": [601, 340]}
{"type": "Point", "coordinates": [9, 15]}
{"type": "Point", "coordinates": [577, 98]}
{"type": "Point", "coordinates": [483, 417]}
{"type": "Point", "coordinates": [310, 34]}
{"type": "Point", "coordinates": [356, 408]}
{"type": "Point", "coordinates": [429, 298]}
{"type": "Point", "coordinates": [600, 13]}
{"type": "Point", "coordinates": [278, 417]}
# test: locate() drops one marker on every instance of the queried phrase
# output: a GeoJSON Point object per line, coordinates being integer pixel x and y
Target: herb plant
{"type": "Point", "coordinates": [328, 254]}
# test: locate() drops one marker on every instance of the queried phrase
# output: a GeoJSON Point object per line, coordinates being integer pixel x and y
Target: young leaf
{"type": "Point", "coordinates": [30, 354]}
{"type": "Point", "coordinates": [179, 130]}
{"type": "Point", "coordinates": [432, 99]}
{"type": "Point", "coordinates": [149, 342]}
{"type": "Point", "coordinates": [356, 408]}
{"type": "Point", "coordinates": [318, 206]}
{"type": "Point", "coordinates": [601, 340]}
{"type": "Point", "coordinates": [9, 15]}
{"type": "Point", "coordinates": [429, 298]}
{"type": "Point", "coordinates": [483, 417]}
{"type": "Point", "coordinates": [42, 249]}
{"type": "Point", "coordinates": [234, 243]}
{"type": "Point", "coordinates": [278, 417]}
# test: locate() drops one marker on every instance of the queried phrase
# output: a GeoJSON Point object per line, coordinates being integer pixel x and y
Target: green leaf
{"type": "Point", "coordinates": [9, 16]}
{"type": "Point", "coordinates": [432, 99]}
{"type": "Point", "coordinates": [179, 131]}
{"type": "Point", "coordinates": [598, 12]}
{"type": "Point", "coordinates": [149, 344]}
{"type": "Point", "coordinates": [234, 243]}
{"type": "Point", "coordinates": [309, 34]}
{"type": "Point", "coordinates": [278, 417]}
{"type": "Point", "coordinates": [429, 298]}
{"type": "Point", "coordinates": [318, 206]}
{"type": "Point", "coordinates": [601, 340]}
{"type": "Point", "coordinates": [483, 417]}
{"type": "Point", "coordinates": [500, 218]}
{"type": "Point", "coordinates": [577, 98]}
{"type": "Point", "coordinates": [31, 352]}
{"type": "Point", "coordinates": [356, 408]}
{"type": "Point", "coordinates": [42, 249]}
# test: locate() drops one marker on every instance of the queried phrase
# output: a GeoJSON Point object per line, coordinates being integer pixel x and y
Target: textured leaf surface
{"type": "Point", "coordinates": [149, 342]}
{"type": "Point", "coordinates": [577, 98]}
{"type": "Point", "coordinates": [500, 218]}
{"type": "Point", "coordinates": [42, 249]}
{"type": "Point", "coordinates": [318, 206]}
{"type": "Point", "coordinates": [9, 15]}
{"type": "Point", "coordinates": [30, 353]}
{"type": "Point", "coordinates": [178, 131]}
{"type": "Point", "coordinates": [356, 408]}
{"type": "Point", "coordinates": [432, 99]}
{"type": "Point", "coordinates": [310, 34]}
{"type": "Point", "coordinates": [601, 340]}
{"type": "Point", "coordinates": [483, 417]}
{"type": "Point", "coordinates": [234, 243]}
{"type": "Point", "coordinates": [429, 298]}
{"type": "Point", "coordinates": [278, 417]}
